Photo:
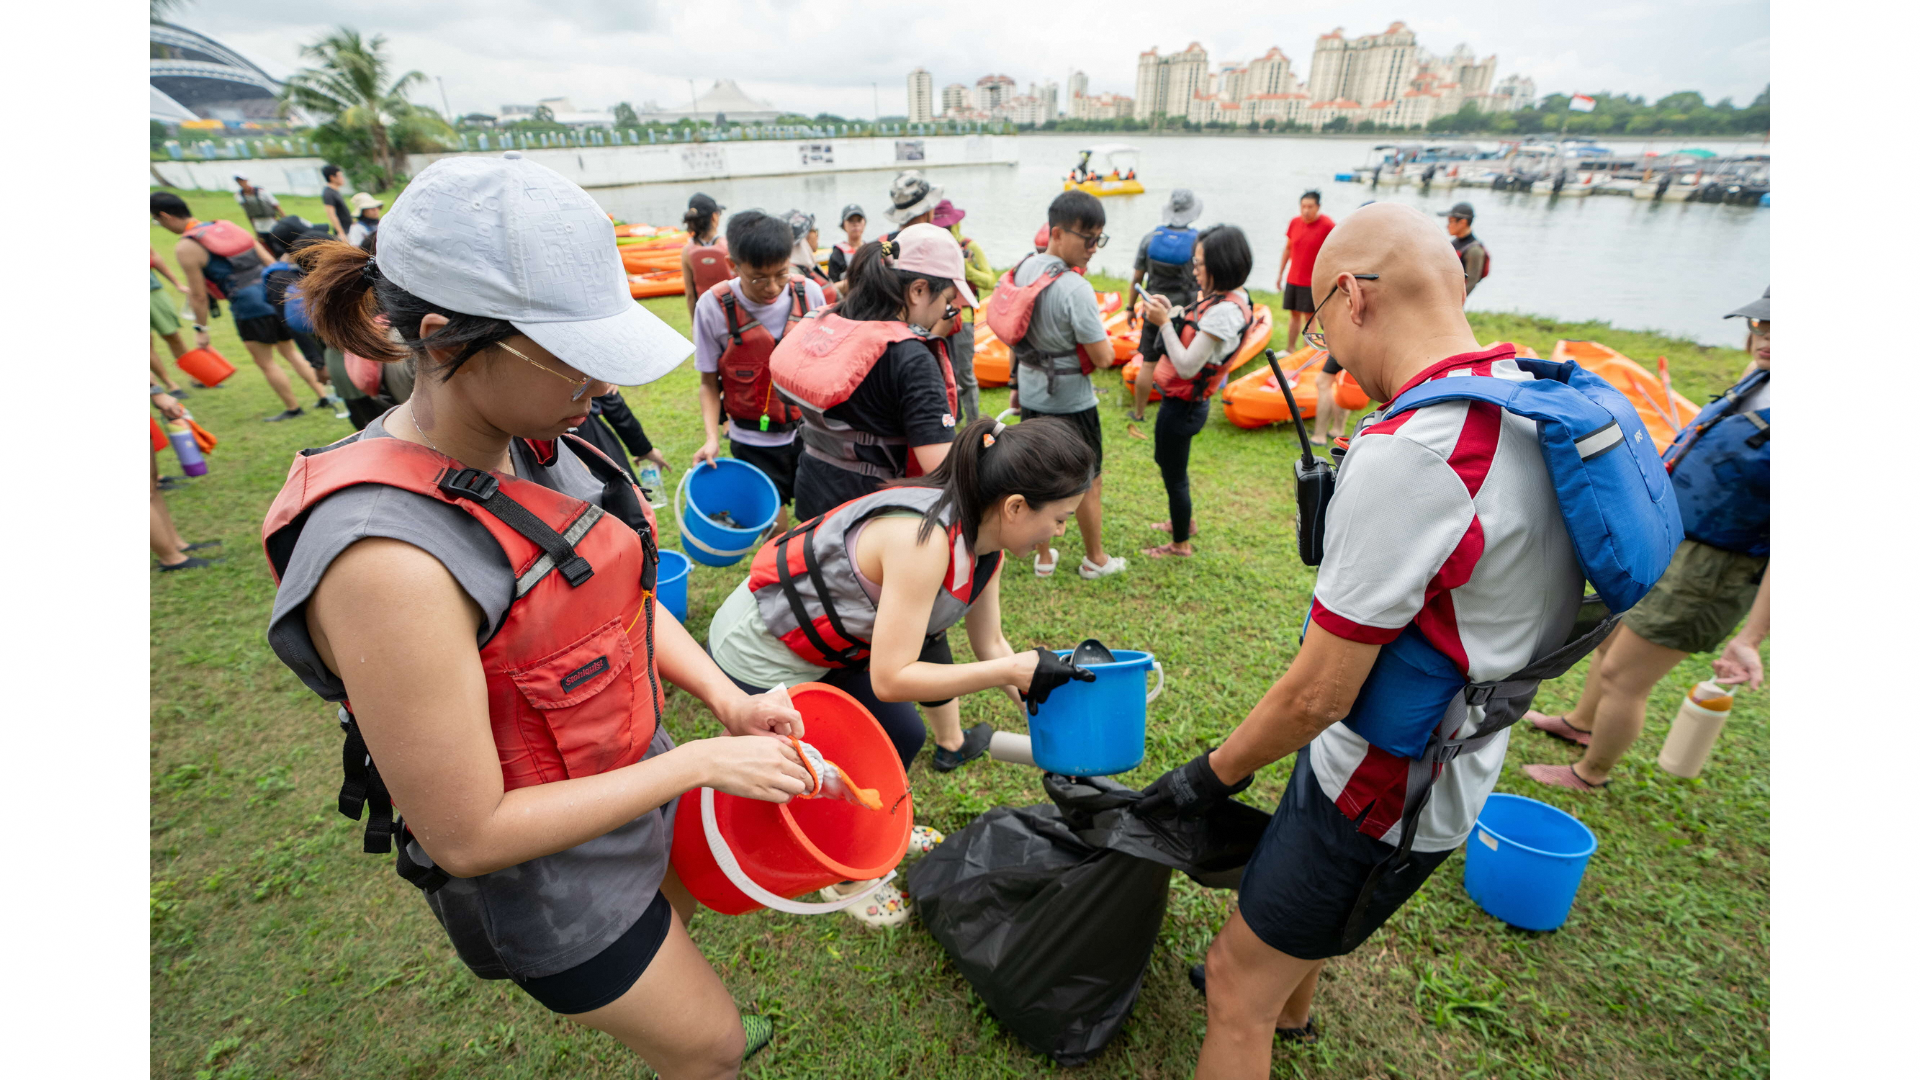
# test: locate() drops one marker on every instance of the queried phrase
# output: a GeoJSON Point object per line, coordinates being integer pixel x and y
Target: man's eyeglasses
{"type": "Point", "coordinates": [579, 385]}
{"type": "Point", "coordinates": [1760, 328]}
{"type": "Point", "coordinates": [1318, 338]}
{"type": "Point", "coordinates": [1094, 240]}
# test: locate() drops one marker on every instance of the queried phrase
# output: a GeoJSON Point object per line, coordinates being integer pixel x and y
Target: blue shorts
{"type": "Point", "coordinates": [1303, 879]}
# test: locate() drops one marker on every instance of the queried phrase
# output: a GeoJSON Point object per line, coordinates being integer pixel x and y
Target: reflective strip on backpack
{"type": "Point", "coordinates": [1595, 443]}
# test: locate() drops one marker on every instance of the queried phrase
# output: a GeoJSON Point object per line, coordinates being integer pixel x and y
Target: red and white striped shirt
{"type": "Point", "coordinates": [1444, 518]}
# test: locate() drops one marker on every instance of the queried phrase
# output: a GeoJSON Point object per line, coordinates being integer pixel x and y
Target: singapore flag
{"type": "Point", "coordinates": [1581, 103]}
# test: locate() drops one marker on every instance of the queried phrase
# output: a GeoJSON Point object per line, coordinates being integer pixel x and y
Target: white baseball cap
{"type": "Point", "coordinates": [511, 239]}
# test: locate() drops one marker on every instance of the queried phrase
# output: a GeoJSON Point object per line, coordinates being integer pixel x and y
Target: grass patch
{"type": "Point", "coordinates": [279, 950]}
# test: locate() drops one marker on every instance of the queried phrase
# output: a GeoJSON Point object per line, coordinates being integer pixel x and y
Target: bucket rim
{"type": "Point", "coordinates": [1135, 658]}
{"type": "Point", "coordinates": [799, 835]}
{"type": "Point", "coordinates": [685, 564]}
{"type": "Point", "coordinates": [731, 463]}
{"type": "Point", "coordinates": [1593, 842]}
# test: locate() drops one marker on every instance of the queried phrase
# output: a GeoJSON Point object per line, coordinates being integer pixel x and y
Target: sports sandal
{"type": "Point", "coordinates": [1558, 727]}
{"type": "Point", "coordinates": [1562, 776]}
{"type": "Point", "coordinates": [886, 906]}
{"type": "Point", "coordinates": [1197, 975]}
{"type": "Point", "coordinates": [759, 1034]}
{"type": "Point", "coordinates": [972, 745]}
{"type": "Point", "coordinates": [1167, 527]}
{"type": "Point", "coordinates": [1114, 565]}
{"type": "Point", "coordinates": [1041, 569]}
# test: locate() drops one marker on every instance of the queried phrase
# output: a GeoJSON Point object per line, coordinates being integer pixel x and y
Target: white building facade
{"type": "Point", "coordinates": [919, 96]}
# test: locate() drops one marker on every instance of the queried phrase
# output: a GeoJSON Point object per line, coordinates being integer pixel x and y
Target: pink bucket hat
{"type": "Point", "coordinates": [947, 215]}
{"type": "Point", "coordinates": [931, 250]}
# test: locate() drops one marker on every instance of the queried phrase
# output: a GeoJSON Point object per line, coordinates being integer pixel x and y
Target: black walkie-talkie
{"type": "Point", "coordinates": [1312, 482]}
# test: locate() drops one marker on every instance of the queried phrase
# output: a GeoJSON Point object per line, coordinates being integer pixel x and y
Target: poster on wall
{"type": "Point", "coordinates": [816, 153]}
{"type": "Point", "coordinates": [703, 160]}
{"type": "Point", "coordinates": [909, 149]}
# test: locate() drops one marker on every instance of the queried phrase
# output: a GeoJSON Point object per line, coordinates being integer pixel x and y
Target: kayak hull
{"type": "Point", "coordinates": [1640, 386]}
{"type": "Point", "coordinates": [1103, 188]}
{"type": "Point", "coordinates": [656, 283]}
{"type": "Point", "coordinates": [1254, 400]}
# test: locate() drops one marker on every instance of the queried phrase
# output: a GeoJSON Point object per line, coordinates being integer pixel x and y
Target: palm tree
{"type": "Point", "coordinates": [351, 88]}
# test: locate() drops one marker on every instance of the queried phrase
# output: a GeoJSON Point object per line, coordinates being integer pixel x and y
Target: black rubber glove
{"type": "Point", "coordinates": [1052, 673]}
{"type": "Point", "coordinates": [1189, 791]}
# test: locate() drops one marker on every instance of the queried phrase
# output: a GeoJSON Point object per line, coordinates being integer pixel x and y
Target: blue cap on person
{"type": "Point", "coordinates": [511, 239]}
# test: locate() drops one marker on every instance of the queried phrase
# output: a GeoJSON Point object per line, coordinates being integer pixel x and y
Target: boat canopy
{"type": "Point", "coordinates": [1696, 152]}
{"type": "Point", "coordinates": [1109, 149]}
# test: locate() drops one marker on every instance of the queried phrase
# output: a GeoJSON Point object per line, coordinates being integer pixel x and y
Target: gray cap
{"type": "Point", "coordinates": [1182, 207]}
{"type": "Point", "coordinates": [1460, 210]}
{"type": "Point", "coordinates": [1758, 311]}
{"type": "Point", "coordinates": [852, 210]}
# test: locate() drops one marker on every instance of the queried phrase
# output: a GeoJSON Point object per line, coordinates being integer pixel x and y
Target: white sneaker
{"type": "Point", "coordinates": [1114, 565]}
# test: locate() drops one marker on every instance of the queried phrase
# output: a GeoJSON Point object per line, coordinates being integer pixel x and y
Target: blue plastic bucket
{"type": "Point", "coordinates": [1525, 860]}
{"type": "Point", "coordinates": [727, 486]}
{"type": "Point", "coordinates": [1097, 728]}
{"type": "Point", "coordinates": [671, 584]}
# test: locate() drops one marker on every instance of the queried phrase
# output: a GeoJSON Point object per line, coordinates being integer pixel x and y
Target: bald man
{"type": "Point", "coordinates": [1444, 524]}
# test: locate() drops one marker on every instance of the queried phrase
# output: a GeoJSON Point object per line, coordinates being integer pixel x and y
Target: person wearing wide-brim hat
{"type": "Point", "coordinates": [914, 199]}
{"type": "Point", "coordinates": [1165, 264]}
{"type": "Point", "coordinates": [366, 217]}
{"type": "Point", "coordinates": [478, 584]}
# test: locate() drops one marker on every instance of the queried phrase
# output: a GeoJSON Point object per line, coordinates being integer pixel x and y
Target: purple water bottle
{"type": "Point", "coordinates": [180, 434]}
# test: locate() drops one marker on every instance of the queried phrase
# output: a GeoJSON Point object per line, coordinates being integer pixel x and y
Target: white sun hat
{"type": "Point", "coordinates": [511, 239]}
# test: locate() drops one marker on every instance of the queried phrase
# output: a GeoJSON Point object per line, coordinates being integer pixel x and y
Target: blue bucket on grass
{"type": "Point", "coordinates": [1525, 860]}
{"type": "Point", "coordinates": [671, 583]}
{"type": "Point", "coordinates": [1097, 728]}
{"type": "Point", "coordinates": [728, 486]}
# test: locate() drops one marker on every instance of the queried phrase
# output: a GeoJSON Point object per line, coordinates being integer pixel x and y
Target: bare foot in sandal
{"type": "Point", "coordinates": [1181, 550]}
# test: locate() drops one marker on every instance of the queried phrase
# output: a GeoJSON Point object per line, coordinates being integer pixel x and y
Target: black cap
{"type": "Point", "coordinates": [704, 203]}
{"type": "Point", "coordinates": [1460, 210]}
{"type": "Point", "coordinates": [1758, 311]}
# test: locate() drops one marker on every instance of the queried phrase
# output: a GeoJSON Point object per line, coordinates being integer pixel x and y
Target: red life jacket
{"type": "Point", "coordinates": [820, 363]}
{"type": "Point", "coordinates": [846, 249]}
{"type": "Point", "coordinates": [225, 240]}
{"type": "Point", "coordinates": [1010, 314]}
{"type": "Point", "coordinates": [1486, 260]}
{"type": "Point", "coordinates": [809, 571]}
{"type": "Point", "coordinates": [572, 689]}
{"type": "Point", "coordinates": [710, 264]}
{"type": "Point", "coordinates": [1209, 377]}
{"type": "Point", "coordinates": [746, 381]}
{"type": "Point", "coordinates": [814, 274]}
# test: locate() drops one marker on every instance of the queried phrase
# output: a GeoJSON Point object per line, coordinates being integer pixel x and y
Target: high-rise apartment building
{"type": "Point", "coordinates": [1517, 89]}
{"type": "Point", "coordinates": [1047, 97]}
{"type": "Point", "coordinates": [919, 96]}
{"type": "Point", "coordinates": [1150, 85]}
{"type": "Point", "coordinates": [1167, 84]}
{"type": "Point", "coordinates": [992, 91]}
{"type": "Point", "coordinates": [1076, 86]}
{"type": "Point", "coordinates": [1377, 67]}
{"type": "Point", "coordinates": [1271, 73]}
{"type": "Point", "coordinates": [955, 99]}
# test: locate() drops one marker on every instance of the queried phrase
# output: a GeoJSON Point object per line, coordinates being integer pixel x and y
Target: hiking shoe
{"type": "Point", "coordinates": [192, 562]}
{"type": "Point", "coordinates": [1197, 975]}
{"type": "Point", "coordinates": [759, 1034]}
{"type": "Point", "coordinates": [288, 415]}
{"type": "Point", "coordinates": [1114, 565]}
{"type": "Point", "coordinates": [971, 746]}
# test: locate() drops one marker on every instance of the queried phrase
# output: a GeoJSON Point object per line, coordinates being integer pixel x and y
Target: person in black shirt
{"type": "Point", "coordinates": [338, 216]}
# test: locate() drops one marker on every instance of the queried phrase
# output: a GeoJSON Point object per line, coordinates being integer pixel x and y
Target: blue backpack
{"type": "Point", "coordinates": [284, 293]}
{"type": "Point", "coordinates": [1167, 244]}
{"type": "Point", "coordinates": [1170, 263]}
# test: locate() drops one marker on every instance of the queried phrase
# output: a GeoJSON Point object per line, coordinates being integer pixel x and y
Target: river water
{"type": "Point", "coordinates": [1671, 267]}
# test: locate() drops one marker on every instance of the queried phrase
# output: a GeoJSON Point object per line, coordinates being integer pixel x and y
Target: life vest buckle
{"type": "Point", "coordinates": [476, 484]}
{"type": "Point", "coordinates": [1480, 693]}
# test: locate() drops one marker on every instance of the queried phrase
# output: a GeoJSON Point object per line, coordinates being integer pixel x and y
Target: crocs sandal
{"type": "Point", "coordinates": [1197, 975]}
{"type": "Point", "coordinates": [1562, 776]}
{"type": "Point", "coordinates": [1041, 569]}
{"type": "Point", "coordinates": [972, 745]}
{"type": "Point", "coordinates": [886, 906]}
{"type": "Point", "coordinates": [759, 1034]}
{"type": "Point", "coordinates": [923, 839]}
{"type": "Point", "coordinates": [1113, 565]}
{"type": "Point", "coordinates": [1558, 727]}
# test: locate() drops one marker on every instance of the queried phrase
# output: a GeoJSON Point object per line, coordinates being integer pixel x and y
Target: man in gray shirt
{"type": "Point", "coordinates": [1066, 320]}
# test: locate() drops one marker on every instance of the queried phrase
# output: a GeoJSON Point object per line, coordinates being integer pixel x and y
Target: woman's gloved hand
{"type": "Point", "coordinates": [1049, 673]}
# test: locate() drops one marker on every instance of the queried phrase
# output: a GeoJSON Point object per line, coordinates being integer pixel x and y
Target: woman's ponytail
{"type": "Point", "coordinates": [338, 289]}
{"type": "Point", "coordinates": [1043, 460]}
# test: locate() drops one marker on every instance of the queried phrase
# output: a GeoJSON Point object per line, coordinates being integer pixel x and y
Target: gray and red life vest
{"type": "Point", "coordinates": [821, 362]}
{"type": "Point", "coordinates": [1208, 379]}
{"type": "Point", "coordinates": [572, 687]}
{"type": "Point", "coordinates": [1010, 315]}
{"type": "Point", "coordinates": [811, 598]}
{"type": "Point", "coordinates": [746, 380]}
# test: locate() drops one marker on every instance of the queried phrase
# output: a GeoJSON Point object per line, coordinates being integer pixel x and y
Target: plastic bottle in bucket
{"type": "Point", "coordinates": [1097, 728]}
{"type": "Point", "coordinates": [723, 509]}
{"type": "Point", "coordinates": [1696, 727]}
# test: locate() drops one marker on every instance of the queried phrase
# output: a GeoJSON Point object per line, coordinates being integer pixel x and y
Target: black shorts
{"type": "Point", "coordinates": [1151, 347]}
{"type": "Point", "coordinates": [778, 462]}
{"type": "Point", "coordinates": [598, 982]}
{"type": "Point", "coordinates": [1297, 298]}
{"type": "Point", "coordinates": [1331, 366]}
{"type": "Point", "coordinates": [1086, 422]}
{"type": "Point", "coordinates": [267, 329]}
{"type": "Point", "coordinates": [1300, 885]}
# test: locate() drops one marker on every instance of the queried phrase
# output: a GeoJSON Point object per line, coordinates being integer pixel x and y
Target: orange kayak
{"type": "Point", "coordinates": [1254, 400]}
{"type": "Point", "coordinates": [657, 283]}
{"type": "Point", "coordinates": [993, 361]}
{"type": "Point", "coordinates": [1640, 386]}
{"type": "Point", "coordinates": [1250, 347]}
{"type": "Point", "coordinates": [642, 260]}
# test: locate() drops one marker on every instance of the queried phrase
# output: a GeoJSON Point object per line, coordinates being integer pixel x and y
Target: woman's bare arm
{"type": "Point", "coordinates": [911, 575]}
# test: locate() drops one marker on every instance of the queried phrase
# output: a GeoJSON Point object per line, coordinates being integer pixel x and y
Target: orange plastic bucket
{"type": "Point", "coordinates": [767, 854]}
{"type": "Point", "coordinates": [206, 365]}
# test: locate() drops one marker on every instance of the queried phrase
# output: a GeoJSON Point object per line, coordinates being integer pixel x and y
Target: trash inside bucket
{"type": "Point", "coordinates": [769, 853]}
{"type": "Point", "coordinates": [1097, 728]}
{"type": "Point", "coordinates": [671, 585]}
{"type": "Point", "coordinates": [1525, 860]}
{"type": "Point", "coordinates": [727, 506]}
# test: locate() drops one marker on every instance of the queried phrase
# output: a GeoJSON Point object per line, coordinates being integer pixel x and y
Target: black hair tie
{"type": "Point", "coordinates": [370, 272]}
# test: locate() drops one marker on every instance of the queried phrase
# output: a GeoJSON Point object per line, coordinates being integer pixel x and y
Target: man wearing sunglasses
{"type": "Point", "coordinates": [1444, 525]}
{"type": "Point", "coordinates": [1066, 322]}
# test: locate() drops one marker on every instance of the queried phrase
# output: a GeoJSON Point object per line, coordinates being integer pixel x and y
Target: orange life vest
{"type": "Point", "coordinates": [1208, 378]}
{"type": "Point", "coordinates": [746, 380]}
{"type": "Point", "coordinates": [572, 688]}
{"type": "Point", "coordinates": [1010, 314]}
{"type": "Point", "coordinates": [229, 242]}
{"type": "Point", "coordinates": [710, 264]}
{"type": "Point", "coordinates": [820, 363]}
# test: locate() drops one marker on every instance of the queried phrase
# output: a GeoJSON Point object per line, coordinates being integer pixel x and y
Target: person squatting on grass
{"type": "Point", "coordinates": [900, 566]}
{"type": "Point", "coordinates": [516, 719]}
{"type": "Point", "coordinates": [1445, 522]}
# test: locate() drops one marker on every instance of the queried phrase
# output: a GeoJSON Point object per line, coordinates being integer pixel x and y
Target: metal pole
{"type": "Point", "coordinates": [876, 105]}
{"type": "Point", "coordinates": [443, 98]}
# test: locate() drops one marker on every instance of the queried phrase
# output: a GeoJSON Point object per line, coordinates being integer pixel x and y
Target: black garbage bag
{"type": "Point", "coordinates": [1051, 912]}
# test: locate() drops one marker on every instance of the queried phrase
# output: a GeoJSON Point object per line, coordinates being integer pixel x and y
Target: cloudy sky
{"type": "Point", "coordinates": [827, 55]}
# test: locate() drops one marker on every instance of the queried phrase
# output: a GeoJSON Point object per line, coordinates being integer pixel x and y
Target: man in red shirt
{"type": "Point", "coordinates": [1305, 234]}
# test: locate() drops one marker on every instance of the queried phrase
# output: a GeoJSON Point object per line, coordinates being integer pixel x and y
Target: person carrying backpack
{"type": "Point", "coordinates": [1165, 263]}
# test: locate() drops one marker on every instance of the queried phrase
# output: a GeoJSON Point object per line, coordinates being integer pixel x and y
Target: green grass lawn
{"type": "Point", "coordinates": [279, 950]}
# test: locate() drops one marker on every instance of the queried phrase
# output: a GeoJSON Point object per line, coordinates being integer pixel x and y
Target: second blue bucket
{"type": "Point", "coordinates": [1097, 728]}
{"type": "Point", "coordinates": [671, 584]}
{"type": "Point", "coordinates": [731, 487]}
{"type": "Point", "coordinates": [1525, 860]}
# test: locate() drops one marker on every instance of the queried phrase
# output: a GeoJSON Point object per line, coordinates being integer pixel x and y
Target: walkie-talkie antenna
{"type": "Point", "coordinates": [1300, 426]}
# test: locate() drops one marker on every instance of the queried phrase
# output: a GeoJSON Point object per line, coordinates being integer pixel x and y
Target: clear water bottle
{"type": "Point", "coordinates": [651, 483]}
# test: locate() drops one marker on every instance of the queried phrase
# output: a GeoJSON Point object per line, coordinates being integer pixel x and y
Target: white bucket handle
{"type": "Point", "coordinates": [686, 536]}
{"type": "Point", "coordinates": [730, 866]}
{"type": "Point", "coordinates": [1158, 684]}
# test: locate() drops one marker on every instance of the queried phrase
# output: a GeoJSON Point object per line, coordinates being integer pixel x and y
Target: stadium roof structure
{"type": "Point", "coordinates": [725, 99]}
{"type": "Point", "coordinates": [193, 76]}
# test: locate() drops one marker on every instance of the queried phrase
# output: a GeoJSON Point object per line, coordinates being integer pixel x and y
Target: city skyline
{"type": "Point", "coordinates": [494, 52]}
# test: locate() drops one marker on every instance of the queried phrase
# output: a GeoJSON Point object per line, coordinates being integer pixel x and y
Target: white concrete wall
{"type": "Point", "coordinates": [616, 166]}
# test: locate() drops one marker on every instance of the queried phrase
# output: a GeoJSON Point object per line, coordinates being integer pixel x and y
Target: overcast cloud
{"type": "Point", "coordinates": [826, 55]}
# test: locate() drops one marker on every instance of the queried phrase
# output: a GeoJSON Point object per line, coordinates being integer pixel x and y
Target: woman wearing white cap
{"type": "Point", "coordinates": [478, 584]}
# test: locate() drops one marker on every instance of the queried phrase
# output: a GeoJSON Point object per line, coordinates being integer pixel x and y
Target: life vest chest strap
{"type": "Point", "coordinates": [482, 487]}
